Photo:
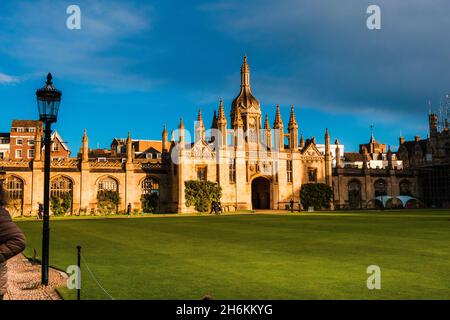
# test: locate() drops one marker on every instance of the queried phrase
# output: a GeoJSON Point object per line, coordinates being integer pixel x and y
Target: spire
{"type": "Point", "coordinates": [302, 141]}
{"type": "Point", "coordinates": [221, 115]}
{"type": "Point", "coordinates": [238, 123]}
{"type": "Point", "coordinates": [199, 116]}
{"type": "Point", "coordinates": [222, 125]}
{"type": "Point", "coordinates": [372, 138]}
{"type": "Point", "coordinates": [85, 147]}
{"type": "Point", "coordinates": [266, 123]}
{"type": "Point", "coordinates": [181, 124]}
{"type": "Point", "coordinates": [292, 120]}
{"type": "Point", "coordinates": [129, 149]}
{"type": "Point", "coordinates": [165, 140]}
{"type": "Point", "coordinates": [199, 127]}
{"type": "Point", "coordinates": [181, 133]}
{"type": "Point", "coordinates": [214, 121]}
{"type": "Point", "coordinates": [338, 154]}
{"type": "Point", "coordinates": [278, 123]}
{"type": "Point", "coordinates": [245, 73]}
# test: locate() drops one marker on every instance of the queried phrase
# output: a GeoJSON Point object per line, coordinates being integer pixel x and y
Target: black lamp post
{"type": "Point", "coordinates": [48, 100]}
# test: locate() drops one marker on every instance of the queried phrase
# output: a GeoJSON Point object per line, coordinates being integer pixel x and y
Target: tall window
{"type": "Point", "coordinates": [232, 170]}
{"type": "Point", "coordinates": [60, 186]}
{"type": "Point", "coordinates": [14, 189]}
{"type": "Point", "coordinates": [312, 175]}
{"type": "Point", "coordinates": [108, 184]}
{"type": "Point", "coordinates": [202, 173]}
{"type": "Point", "coordinates": [30, 154]}
{"type": "Point", "coordinates": [19, 142]}
{"type": "Point", "coordinates": [55, 146]}
{"type": "Point", "coordinates": [289, 170]}
{"type": "Point", "coordinates": [380, 188]}
{"type": "Point", "coordinates": [150, 185]}
{"type": "Point", "coordinates": [18, 153]}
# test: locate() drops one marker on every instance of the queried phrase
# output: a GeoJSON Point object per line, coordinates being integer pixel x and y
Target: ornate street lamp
{"type": "Point", "coordinates": [48, 100]}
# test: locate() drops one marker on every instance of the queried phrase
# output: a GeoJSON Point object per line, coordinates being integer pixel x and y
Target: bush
{"type": "Point", "coordinates": [149, 202]}
{"type": "Point", "coordinates": [201, 194]}
{"type": "Point", "coordinates": [107, 201]}
{"type": "Point", "coordinates": [61, 205]}
{"type": "Point", "coordinates": [317, 195]}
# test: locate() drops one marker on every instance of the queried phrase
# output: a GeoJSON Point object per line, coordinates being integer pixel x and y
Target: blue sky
{"type": "Point", "coordinates": [136, 65]}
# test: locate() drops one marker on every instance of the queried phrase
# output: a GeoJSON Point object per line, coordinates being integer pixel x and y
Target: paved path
{"type": "Point", "coordinates": [24, 281]}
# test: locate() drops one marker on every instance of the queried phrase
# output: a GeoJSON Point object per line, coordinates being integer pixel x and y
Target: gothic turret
{"type": "Point", "coordinates": [433, 124]}
{"type": "Point", "coordinates": [245, 99]}
{"type": "Point", "coordinates": [279, 130]}
{"type": "Point", "coordinates": [268, 133]}
{"type": "Point", "coordinates": [293, 131]}
{"type": "Point", "coordinates": [129, 149]}
{"type": "Point", "coordinates": [238, 126]}
{"type": "Point", "coordinates": [214, 120]}
{"type": "Point", "coordinates": [199, 127]}
{"type": "Point", "coordinates": [302, 141]}
{"type": "Point", "coordinates": [222, 124]}
{"type": "Point", "coordinates": [165, 140]}
{"type": "Point", "coordinates": [85, 147]}
{"type": "Point", "coordinates": [338, 154]}
{"type": "Point", "coordinates": [181, 133]}
{"type": "Point", "coordinates": [328, 160]}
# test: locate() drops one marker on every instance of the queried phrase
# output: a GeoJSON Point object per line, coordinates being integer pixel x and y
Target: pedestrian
{"type": "Point", "coordinates": [40, 211]}
{"type": "Point", "coordinates": [12, 241]}
{"type": "Point", "coordinates": [129, 209]}
{"type": "Point", "coordinates": [291, 205]}
{"type": "Point", "coordinates": [213, 207]}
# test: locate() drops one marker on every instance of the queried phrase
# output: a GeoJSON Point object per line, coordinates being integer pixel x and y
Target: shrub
{"type": "Point", "coordinates": [107, 201]}
{"type": "Point", "coordinates": [61, 205]}
{"type": "Point", "coordinates": [201, 194]}
{"type": "Point", "coordinates": [317, 195]}
{"type": "Point", "coordinates": [149, 202]}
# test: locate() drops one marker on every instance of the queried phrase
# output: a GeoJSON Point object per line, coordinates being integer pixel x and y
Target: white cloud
{"type": "Point", "coordinates": [7, 79]}
{"type": "Point", "coordinates": [98, 53]}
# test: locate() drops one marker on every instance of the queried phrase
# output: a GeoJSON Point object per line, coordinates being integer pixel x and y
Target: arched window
{"type": "Point", "coordinates": [109, 184]}
{"type": "Point", "coordinates": [405, 188]}
{"type": "Point", "coordinates": [354, 194]}
{"type": "Point", "coordinates": [60, 186]}
{"type": "Point", "coordinates": [380, 188]}
{"type": "Point", "coordinates": [150, 185]}
{"type": "Point", "coordinates": [14, 189]}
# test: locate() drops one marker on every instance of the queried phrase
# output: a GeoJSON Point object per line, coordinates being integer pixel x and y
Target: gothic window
{"type": "Point", "coordinates": [60, 186]}
{"type": "Point", "coordinates": [312, 174]}
{"type": "Point", "coordinates": [108, 184]}
{"type": "Point", "coordinates": [380, 188]}
{"type": "Point", "coordinates": [354, 194]}
{"type": "Point", "coordinates": [150, 185]}
{"type": "Point", "coordinates": [289, 170]}
{"type": "Point", "coordinates": [14, 190]}
{"type": "Point", "coordinates": [202, 173]}
{"type": "Point", "coordinates": [232, 170]}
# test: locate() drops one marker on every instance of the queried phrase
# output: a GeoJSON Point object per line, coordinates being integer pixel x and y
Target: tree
{"type": "Point", "coordinates": [149, 202]}
{"type": "Point", "coordinates": [317, 195]}
{"type": "Point", "coordinates": [201, 194]}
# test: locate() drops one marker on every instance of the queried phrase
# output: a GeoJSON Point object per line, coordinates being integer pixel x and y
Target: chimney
{"type": "Point", "coordinates": [417, 138]}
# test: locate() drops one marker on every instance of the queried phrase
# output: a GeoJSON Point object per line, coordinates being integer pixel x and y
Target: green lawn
{"type": "Point", "coordinates": [306, 256]}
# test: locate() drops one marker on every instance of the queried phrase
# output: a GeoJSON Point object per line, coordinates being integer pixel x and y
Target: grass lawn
{"type": "Point", "coordinates": [257, 256]}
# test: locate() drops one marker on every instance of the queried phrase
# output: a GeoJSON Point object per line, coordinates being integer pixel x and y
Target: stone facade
{"type": "Point", "coordinates": [258, 166]}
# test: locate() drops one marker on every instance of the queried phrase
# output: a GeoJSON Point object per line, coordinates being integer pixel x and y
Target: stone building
{"type": "Point", "coordinates": [257, 165]}
{"type": "Point", "coordinates": [430, 157]}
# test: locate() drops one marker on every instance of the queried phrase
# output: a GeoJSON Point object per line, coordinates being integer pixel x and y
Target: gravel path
{"type": "Point", "coordinates": [24, 281]}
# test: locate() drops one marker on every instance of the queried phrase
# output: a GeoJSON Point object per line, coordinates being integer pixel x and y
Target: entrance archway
{"type": "Point", "coordinates": [261, 193]}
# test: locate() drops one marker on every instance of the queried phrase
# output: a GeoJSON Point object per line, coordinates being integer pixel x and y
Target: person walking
{"type": "Point", "coordinates": [12, 241]}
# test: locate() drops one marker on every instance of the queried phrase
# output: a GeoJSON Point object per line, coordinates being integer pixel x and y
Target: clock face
{"type": "Point", "coordinates": [252, 121]}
